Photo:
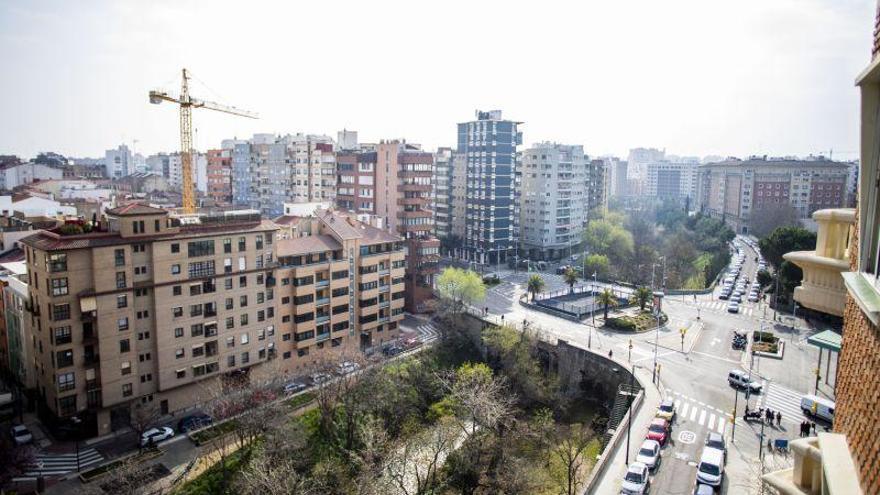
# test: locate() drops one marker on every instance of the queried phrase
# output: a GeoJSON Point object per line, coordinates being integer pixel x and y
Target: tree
{"type": "Point", "coordinates": [571, 277]}
{"type": "Point", "coordinates": [641, 296]}
{"type": "Point", "coordinates": [764, 278]}
{"type": "Point", "coordinates": [479, 398]}
{"type": "Point", "coordinates": [785, 240]}
{"type": "Point", "coordinates": [769, 218]}
{"type": "Point", "coordinates": [269, 473]}
{"type": "Point", "coordinates": [608, 239]}
{"type": "Point", "coordinates": [535, 285]}
{"type": "Point", "coordinates": [598, 264]}
{"type": "Point", "coordinates": [568, 457]}
{"type": "Point", "coordinates": [459, 288]}
{"type": "Point", "coordinates": [15, 460]}
{"type": "Point", "coordinates": [607, 299]}
{"type": "Point", "coordinates": [143, 416]}
{"type": "Point", "coordinates": [680, 256]}
{"type": "Point", "coordinates": [414, 467]}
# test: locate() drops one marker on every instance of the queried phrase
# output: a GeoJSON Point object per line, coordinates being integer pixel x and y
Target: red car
{"type": "Point", "coordinates": [659, 430]}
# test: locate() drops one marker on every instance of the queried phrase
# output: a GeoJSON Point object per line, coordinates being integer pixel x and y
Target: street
{"type": "Point", "coordinates": [693, 372]}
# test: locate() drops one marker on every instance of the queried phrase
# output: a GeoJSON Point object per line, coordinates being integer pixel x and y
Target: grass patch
{"type": "Point", "coordinates": [211, 481]}
{"type": "Point", "coordinates": [202, 437]}
{"type": "Point", "coordinates": [300, 400]}
{"type": "Point", "coordinates": [641, 322]}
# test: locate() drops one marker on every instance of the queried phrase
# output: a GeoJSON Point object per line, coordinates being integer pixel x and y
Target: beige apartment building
{"type": "Point", "coordinates": [154, 308]}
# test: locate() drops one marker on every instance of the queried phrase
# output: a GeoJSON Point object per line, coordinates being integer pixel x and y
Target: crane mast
{"type": "Point", "coordinates": [187, 102]}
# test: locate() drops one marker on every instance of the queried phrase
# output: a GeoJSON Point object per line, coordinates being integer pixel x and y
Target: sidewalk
{"type": "Point", "coordinates": [609, 482]}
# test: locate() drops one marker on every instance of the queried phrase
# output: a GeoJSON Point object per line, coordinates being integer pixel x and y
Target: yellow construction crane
{"type": "Point", "coordinates": [187, 103]}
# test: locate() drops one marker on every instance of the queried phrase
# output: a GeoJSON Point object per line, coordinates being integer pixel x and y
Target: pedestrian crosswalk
{"type": "Point", "coordinates": [58, 464]}
{"type": "Point", "coordinates": [783, 400]}
{"type": "Point", "coordinates": [722, 306]}
{"type": "Point", "coordinates": [692, 414]}
{"type": "Point", "coordinates": [427, 332]}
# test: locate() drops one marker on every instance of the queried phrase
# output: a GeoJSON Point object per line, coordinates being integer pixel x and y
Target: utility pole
{"type": "Point", "coordinates": [733, 420]}
{"type": "Point", "coordinates": [776, 296]}
{"type": "Point", "coordinates": [632, 374]}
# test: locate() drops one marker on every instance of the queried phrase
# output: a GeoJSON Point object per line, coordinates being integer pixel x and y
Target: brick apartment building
{"type": "Point", "coordinates": [151, 308]}
{"type": "Point", "coordinates": [220, 176]}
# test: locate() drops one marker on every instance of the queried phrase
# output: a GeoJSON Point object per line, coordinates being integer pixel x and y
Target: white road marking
{"type": "Point", "coordinates": [684, 410]}
{"type": "Point", "coordinates": [711, 424]}
{"type": "Point", "coordinates": [702, 417]}
{"type": "Point", "coordinates": [693, 413]}
{"type": "Point", "coordinates": [721, 426]}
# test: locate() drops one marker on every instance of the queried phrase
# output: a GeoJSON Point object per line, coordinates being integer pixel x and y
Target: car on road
{"type": "Point", "coordinates": [392, 350]}
{"type": "Point", "coordinates": [649, 454]}
{"type": "Point", "coordinates": [703, 489]}
{"type": "Point", "coordinates": [658, 430]}
{"type": "Point", "coordinates": [710, 471]}
{"type": "Point", "coordinates": [320, 377]}
{"type": "Point", "coordinates": [636, 481]}
{"type": "Point", "coordinates": [736, 297]}
{"type": "Point", "coordinates": [194, 422]}
{"type": "Point", "coordinates": [725, 294]}
{"type": "Point", "coordinates": [716, 441]}
{"type": "Point", "coordinates": [347, 367]}
{"type": "Point", "coordinates": [156, 435]}
{"type": "Point", "coordinates": [561, 269]}
{"type": "Point", "coordinates": [294, 387]}
{"type": "Point", "coordinates": [733, 307]}
{"type": "Point", "coordinates": [21, 435]}
{"type": "Point", "coordinates": [753, 297]}
{"type": "Point", "coordinates": [666, 410]}
{"type": "Point", "coordinates": [741, 379]}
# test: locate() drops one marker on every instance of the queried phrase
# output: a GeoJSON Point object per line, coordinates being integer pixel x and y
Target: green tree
{"type": "Point", "coordinates": [609, 239]}
{"type": "Point", "coordinates": [764, 278]}
{"type": "Point", "coordinates": [459, 288]}
{"type": "Point", "coordinates": [608, 300]}
{"type": "Point", "coordinates": [642, 296]}
{"type": "Point", "coordinates": [785, 240]}
{"type": "Point", "coordinates": [598, 264]}
{"type": "Point", "coordinates": [571, 277]}
{"type": "Point", "coordinates": [535, 285]}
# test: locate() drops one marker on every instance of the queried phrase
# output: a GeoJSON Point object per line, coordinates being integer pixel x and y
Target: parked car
{"type": "Point", "coordinates": [710, 471]}
{"type": "Point", "coordinates": [194, 422]}
{"type": "Point", "coordinates": [294, 387]}
{"type": "Point", "coordinates": [649, 454]}
{"type": "Point", "coordinates": [736, 298]}
{"type": "Point", "coordinates": [392, 350]}
{"type": "Point", "coordinates": [636, 480]}
{"type": "Point", "coordinates": [724, 295]}
{"type": "Point", "coordinates": [703, 489]}
{"type": "Point", "coordinates": [753, 297]}
{"type": "Point", "coordinates": [561, 269]}
{"type": "Point", "coordinates": [666, 410]}
{"type": "Point", "coordinates": [320, 377]}
{"type": "Point", "coordinates": [741, 379]}
{"type": "Point", "coordinates": [346, 367]}
{"type": "Point", "coordinates": [716, 441]}
{"type": "Point", "coordinates": [156, 435]}
{"type": "Point", "coordinates": [733, 307]}
{"type": "Point", "coordinates": [21, 435]}
{"type": "Point", "coordinates": [817, 407]}
{"type": "Point", "coordinates": [658, 430]}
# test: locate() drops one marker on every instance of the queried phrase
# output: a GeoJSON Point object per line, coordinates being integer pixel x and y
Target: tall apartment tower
{"type": "Point", "coordinates": [458, 203]}
{"type": "Point", "coordinates": [219, 176]}
{"type": "Point", "coordinates": [269, 171]}
{"type": "Point", "coordinates": [489, 145]}
{"type": "Point", "coordinates": [118, 162]}
{"type": "Point", "coordinates": [393, 183]}
{"type": "Point", "coordinates": [672, 180]}
{"type": "Point", "coordinates": [441, 199]}
{"type": "Point", "coordinates": [553, 200]}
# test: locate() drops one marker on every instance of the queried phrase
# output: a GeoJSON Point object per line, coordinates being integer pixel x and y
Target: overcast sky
{"type": "Point", "coordinates": [694, 77]}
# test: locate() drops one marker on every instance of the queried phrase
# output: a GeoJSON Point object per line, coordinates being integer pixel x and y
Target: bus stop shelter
{"type": "Point", "coordinates": [827, 340]}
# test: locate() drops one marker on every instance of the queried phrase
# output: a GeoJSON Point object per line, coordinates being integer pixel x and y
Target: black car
{"type": "Point", "coordinates": [194, 422]}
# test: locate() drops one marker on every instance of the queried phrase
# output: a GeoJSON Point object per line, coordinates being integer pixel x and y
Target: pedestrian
{"type": "Point", "coordinates": [803, 428]}
{"type": "Point", "coordinates": [610, 353]}
{"type": "Point", "coordinates": [778, 418]}
{"type": "Point", "coordinates": [502, 317]}
{"type": "Point", "coordinates": [813, 425]}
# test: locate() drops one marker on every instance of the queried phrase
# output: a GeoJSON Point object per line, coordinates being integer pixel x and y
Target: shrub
{"type": "Point", "coordinates": [768, 337]}
{"type": "Point", "coordinates": [206, 435]}
{"type": "Point", "coordinates": [301, 400]}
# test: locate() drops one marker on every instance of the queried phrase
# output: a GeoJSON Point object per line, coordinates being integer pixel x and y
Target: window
{"type": "Point", "coordinates": [195, 310]}
{"type": "Point", "coordinates": [64, 358]}
{"type": "Point", "coordinates": [227, 265]}
{"type": "Point", "coordinates": [199, 370]}
{"type": "Point", "coordinates": [242, 244]}
{"type": "Point", "coordinates": [125, 368]}
{"type": "Point", "coordinates": [119, 257]}
{"type": "Point", "coordinates": [180, 374]}
{"type": "Point", "coordinates": [143, 335]}
{"type": "Point", "coordinates": [243, 301]}
{"type": "Point", "coordinates": [127, 390]}
{"type": "Point", "coordinates": [140, 270]}
{"type": "Point", "coordinates": [227, 284]}
{"type": "Point", "coordinates": [156, 225]}
{"type": "Point", "coordinates": [62, 335]}
{"type": "Point", "coordinates": [244, 319]}
{"type": "Point", "coordinates": [259, 241]}
{"type": "Point", "coordinates": [120, 280]}
{"type": "Point", "coordinates": [230, 322]}
{"type": "Point", "coordinates": [176, 290]}
{"type": "Point", "coordinates": [177, 311]}
{"type": "Point", "coordinates": [57, 263]}
{"type": "Point", "coordinates": [200, 248]}
{"type": "Point", "coordinates": [147, 378]}
{"type": "Point", "coordinates": [195, 289]}
{"type": "Point", "coordinates": [66, 381]}
{"type": "Point", "coordinates": [201, 269]}
{"type": "Point", "coordinates": [245, 339]}
{"type": "Point", "coordinates": [124, 346]}
{"type": "Point", "coordinates": [245, 357]}
{"type": "Point", "coordinates": [178, 332]}
{"type": "Point", "coordinates": [230, 303]}
{"type": "Point", "coordinates": [175, 269]}
{"type": "Point", "coordinates": [227, 245]}
{"type": "Point", "coordinates": [143, 314]}
{"type": "Point", "coordinates": [242, 281]}
{"type": "Point", "coordinates": [230, 342]}
{"type": "Point", "coordinates": [144, 357]}
{"type": "Point", "coordinates": [175, 248]}
{"type": "Point", "coordinates": [197, 330]}
{"type": "Point", "coordinates": [121, 301]}
{"type": "Point", "coordinates": [122, 323]}
{"type": "Point", "coordinates": [139, 248]}
{"type": "Point", "coordinates": [197, 350]}
{"type": "Point", "coordinates": [67, 405]}
{"type": "Point", "coordinates": [59, 286]}
{"type": "Point", "coordinates": [242, 263]}
{"type": "Point", "coordinates": [261, 315]}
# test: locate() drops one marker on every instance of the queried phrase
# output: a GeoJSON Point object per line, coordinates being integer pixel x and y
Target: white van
{"type": "Point", "coordinates": [710, 471]}
{"type": "Point", "coordinates": [814, 406]}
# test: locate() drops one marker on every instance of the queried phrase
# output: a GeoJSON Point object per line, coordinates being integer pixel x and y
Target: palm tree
{"type": "Point", "coordinates": [571, 277]}
{"type": "Point", "coordinates": [607, 299]}
{"type": "Point", "coordinates": [642, 296]}
{"type": "Point", "coordinates": [536, 284]}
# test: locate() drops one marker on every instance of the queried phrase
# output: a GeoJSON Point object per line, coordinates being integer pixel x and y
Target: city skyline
{"type": "Point", "coordinates": [83, 74]}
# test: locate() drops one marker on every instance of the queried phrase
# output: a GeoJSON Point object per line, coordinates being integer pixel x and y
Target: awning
{"type": "Point", "coordinates": [87, 304]}
{"type": "Point", "coordinates": [829, 340]}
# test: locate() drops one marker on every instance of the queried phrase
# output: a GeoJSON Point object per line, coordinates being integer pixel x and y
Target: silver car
{"type": "Point", "coordinates": [649, 454]}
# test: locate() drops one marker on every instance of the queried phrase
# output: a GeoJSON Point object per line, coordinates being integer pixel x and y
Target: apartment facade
{"type": "Point", "coordinates": [219, 176]}
{"type": "Point", "coordinates": [596, 186]}
{"type": "Point", "coordinates": [675, 181]}
{"type": "Point", "coordinates": [458, 202]}
{"type": "Point", "coordinates": [441, 199]}
{"type": "Point", "coordinates": [146, 309]}
{"type": "Point", "coordinates": [356, 181]}
{"type": "Point", "coordinates": [489, 146]}
{"type": "Point", "coordinates": [342, 288]}
{"type": "Point", "coordinates": [119, 162]}
{"type": "Point", "coordinates": [737, 189]}
{"type": "Point", "coordinates": [269, 170]}
{"type": "Point", "coordinates": [553, 200]}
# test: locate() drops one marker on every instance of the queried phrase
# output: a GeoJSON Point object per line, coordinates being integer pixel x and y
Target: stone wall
{"type": "Point", "coordinates": [582, 370]}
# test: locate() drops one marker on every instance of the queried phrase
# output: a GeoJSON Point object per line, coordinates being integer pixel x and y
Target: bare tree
{"type": "Point", "coordinates": [768, 218]}
{"type": "Point", "coordinates": [480, 398]}
{"type": "Point", "coordinates": [130, 477]}
{"type": "Point", "coordinates": [413, 468]}
{"type": "Point", "coordinates": [267, 472]}
{"type": "Point", "coordinates": [143, 416]}
{"type": "Point", "coordinates": [15, 460]}
{"type": "Point", "coordinates": [569, 454]}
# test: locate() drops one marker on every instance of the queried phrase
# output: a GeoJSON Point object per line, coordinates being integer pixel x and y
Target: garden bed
{"type": "Point", "coordinates": [767, 344]}
{"type": "Point", "coordinates": [640, 322]}
{"type": "Point", "coordinates": [205, 435]}
{"type": "Point", "coordinates": [300, 400]}
{"type": "Point", "coordinates": [92, 474]}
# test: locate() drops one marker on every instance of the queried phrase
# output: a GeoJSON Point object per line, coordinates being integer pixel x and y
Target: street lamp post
{"type": "Point", "coordinates": [658, 298]}
{"type": "Point", "coordinates": [632, 374]}
{"type": "Point", "coordinates": [682, 331]}
{"type": "Point", "coordinates": [733, 420]}
{"type": "Point", "coordinates": [76, 421]}
{"type": "Point", "coordinates": [630, 356]}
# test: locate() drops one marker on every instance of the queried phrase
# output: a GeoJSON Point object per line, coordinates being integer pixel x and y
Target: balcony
{"type": "Point", "coordinates": [384, 304]}
{"type": "Point", "coordinates": [93, 384]}
{"type": "Point", "coordinates": [88, 315]}
{"type": "Point", "coordinates": [210, 313]}
{"type": "Point", "coordinates": [270, 281]}
{"type": "Point", "coordinates": [323, 301]}
{"type": "Point", "coordinates": [322, 283]}
{"type": "Point", "coordinates": [90, 334]}
{"type": "Point", "coordinates": [93, 399]}
{"type": "Point", "coordinates": [414, 188]}
{"type": "Point", "coordinates": [321, 337]}
{"type": "Point", "coordinates": [322, 319]}
{"type": "Point", "coordinates": [384, 271]}
{"type": "Point", "coordinates": [91, 360]}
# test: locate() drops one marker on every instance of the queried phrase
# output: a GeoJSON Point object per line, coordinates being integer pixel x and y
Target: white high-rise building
{"type": "Point", "coordinates": [637, 166]}
{"type": "Point", "coordinates": [119, 162]}
{"type": "Point", "coordinates": [668, 180]}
